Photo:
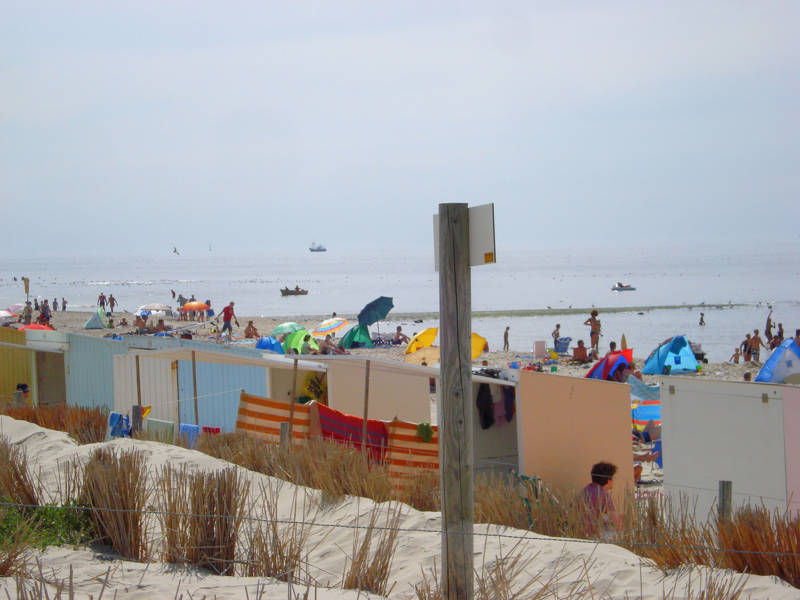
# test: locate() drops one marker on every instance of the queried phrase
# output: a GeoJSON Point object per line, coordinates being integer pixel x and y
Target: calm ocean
{"type": "Point", "coordinates": [344, 282]}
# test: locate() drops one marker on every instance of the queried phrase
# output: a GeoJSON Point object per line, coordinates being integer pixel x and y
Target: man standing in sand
{"type": "Point", "coordinates": [755, 346]}
{"type": "Point", "coordinates": [505, 339]}
{"type": "Point", "coordinates": [112, 302]}
{"type": "Point", "coordinates": [63, 304]}
{"type": "Point", "coordinates": [556, 334]}
{"type": "Point", "coordinates": [594, 328]}
{"type": "Point", "coordinates": [101, 301]}
{"type": "Point", "coordinates": [227, 316]}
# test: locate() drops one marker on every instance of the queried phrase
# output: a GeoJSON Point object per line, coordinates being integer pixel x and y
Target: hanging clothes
{"type": "Point", "coordinates": [485, 406]}
{"type": "Point", "coordinates": [509, 396]}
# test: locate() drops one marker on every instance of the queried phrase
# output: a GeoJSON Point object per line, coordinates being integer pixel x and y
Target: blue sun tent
{"type": "Point", "coordinates": [784, 361]}
{"type": "Point", "coordinates": [675, 353]}
{"type": "Point", "coordinates": [271, 344]}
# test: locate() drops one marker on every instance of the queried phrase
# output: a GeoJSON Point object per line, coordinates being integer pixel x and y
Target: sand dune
{"type": "Point", "coordinates": [611, 571]}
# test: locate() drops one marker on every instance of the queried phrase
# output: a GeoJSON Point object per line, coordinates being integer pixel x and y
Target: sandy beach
{"type": "Point", "coordinates": [73, 321]}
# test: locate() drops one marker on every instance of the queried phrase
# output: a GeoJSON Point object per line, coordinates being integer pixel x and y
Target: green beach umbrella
{"type": "Point", "coordinates": [289, 327]}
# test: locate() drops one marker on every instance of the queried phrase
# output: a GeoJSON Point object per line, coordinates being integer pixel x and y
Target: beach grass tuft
{"type": "Point", "coordinates": [216, 510]}
{"type": "Point", "coordinates": [116, 493]}
{"type": "Point", "coordinates": [17, 483]}
{"type": "Point", "coordinates": [373, 551]}
{"type": "Point", "coordinates": [275, 545]}
{"type": "Point", "coordinates": [85, 425]}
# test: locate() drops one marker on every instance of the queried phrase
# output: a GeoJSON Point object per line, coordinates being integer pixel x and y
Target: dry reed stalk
{"type": "Point", "coordinates": [16, 481]}
{"type": "Point", "coordinates": [503, 500]}
{"type": "Point", "coordinates": [422, 490]}
{"type": "Point", "coordinates": [86, 425]}
{"type": "Point", "coordinates": [16, 547]}
{"type": "Point", "coordinates": [275, 549]}
{"type": "Point", "coordinates": [69, 482]}
{"type": "Point", "coordinates": [216, 504]}
{"type": "Point", "coordinates": [116, 494]}
{"type": "Point", "coordinates": [172, 487]}
{"type": "Point", "coordinates": [761, 542]}
{"type": "Point", "coordinates": [369, 571]}
{"type": "Point", "coordinates": [714, 586]}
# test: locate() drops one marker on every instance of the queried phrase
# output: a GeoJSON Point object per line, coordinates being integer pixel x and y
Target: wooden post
{"type": "Point", "coordinates": [725, 499]}
{"type": "Point", "coordinates": [136, 418]}
{"type": "Point", "coordinates": [366, 410]}
{"type": "Point", "coordinates": [294, 397]}
{"type": "Point", "coordinates": [284, 435]}
{"type": "Point", "coordinates": [194, 389]}
{"type": "Point", "coordinates": [455, 422]}
{"type": "Point", "coordinates": [176, 430]}
{"type": "Point", "coordinates": [138, 383]}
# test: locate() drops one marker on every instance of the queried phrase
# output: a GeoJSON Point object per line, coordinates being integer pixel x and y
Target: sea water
{"type": "Point", "coordinates": [736, 287]}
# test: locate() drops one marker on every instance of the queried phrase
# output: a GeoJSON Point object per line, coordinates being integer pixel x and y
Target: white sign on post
{"type": "Point", "coordinates": [481, 236]}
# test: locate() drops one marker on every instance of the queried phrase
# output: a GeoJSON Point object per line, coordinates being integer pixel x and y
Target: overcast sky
{"type": "Point", "coordinates": [132, 126]}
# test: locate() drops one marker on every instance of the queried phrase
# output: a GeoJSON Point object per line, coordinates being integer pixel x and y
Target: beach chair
{"type": "Point", "coordinates": [562, 345]}
{"type": "Point", "coordinates": [189, 433]}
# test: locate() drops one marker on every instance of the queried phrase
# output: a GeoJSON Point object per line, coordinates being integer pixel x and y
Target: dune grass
{"type": "Point", "coordinates": [116, 493]}
{"type": "Point", "coordinates": [85, 425]}
{"type": "Point", "coordinates": [754, 540]}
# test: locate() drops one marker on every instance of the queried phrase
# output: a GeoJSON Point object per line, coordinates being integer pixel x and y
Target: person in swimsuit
{"type": "Point", "coordinates": [594, 328]}
{"type": "Point", "coordinates": [755, 346]}
{"type": "Point", "coordinates": [745, 346]}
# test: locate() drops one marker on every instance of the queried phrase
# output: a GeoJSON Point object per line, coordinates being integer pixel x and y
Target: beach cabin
{"type": "Point", "coordinates": [201, 384]}
{"type": "Point", "coordinates": [40, 366]}
{"type": "Point", "coordinates": [403, 391]}
{"type": "Point", "coordinates": [567, 424]}
{"type": "Point", "coordinates": [745, 433]}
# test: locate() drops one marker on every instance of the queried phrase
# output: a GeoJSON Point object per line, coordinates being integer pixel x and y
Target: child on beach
{"type": "Point", "coordinates": [735, 358]}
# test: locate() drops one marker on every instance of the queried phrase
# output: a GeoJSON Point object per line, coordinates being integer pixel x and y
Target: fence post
{"type": "Point", "coordinates": [284, 435]}
{"type": "Point", "coordinates": [136, 418]}
{"type": "Point", "coordinates": [725, 499]}
{"type": "Point", "coordinates": [455, 420]}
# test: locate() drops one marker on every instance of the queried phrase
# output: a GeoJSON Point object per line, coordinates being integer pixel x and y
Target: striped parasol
{"type": "Point", "coordinates": [329, 326]}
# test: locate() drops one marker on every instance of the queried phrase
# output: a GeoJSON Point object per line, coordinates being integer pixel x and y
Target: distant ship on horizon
{"type": "Point", "coordinates": [315, 247]}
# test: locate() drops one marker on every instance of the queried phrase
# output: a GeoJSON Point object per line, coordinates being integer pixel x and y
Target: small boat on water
{"type": "Point", "coordinates": [623, 287]}
{"type": "Point", "coordinates": [297, 291]}
{"type": "Point", "coordinates": [315, 247]}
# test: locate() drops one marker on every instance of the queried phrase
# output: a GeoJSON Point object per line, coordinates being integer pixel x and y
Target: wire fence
{"type": "Point", "coordinates": [152, 512]}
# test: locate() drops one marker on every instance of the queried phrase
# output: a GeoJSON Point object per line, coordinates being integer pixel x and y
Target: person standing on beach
{"type": "Point", "coordinates": [112, 303]}
{"type": "Point", "coordinates": [101, 301]}
{"type": "Point", "coordinates": [63, 304]}
{"type": "Point", "coordinates": [27, 313]}
{"type": "Point", "coordinates": [745, 346]}
{"type": "Point", "coordinates": [594, 328]}
{"type": "Point", "coordinates": [505, 339]}
{"type": "Point", "coordinates": [55, 304]}
{"type": "Point", "coordinates": [755, 346]}
{"type": "Point", "coordinates": [702, 319]}
{"type": "Point", "coordinates": [227, 316]}
{"type": "Point", "coordinates": [556, 334]}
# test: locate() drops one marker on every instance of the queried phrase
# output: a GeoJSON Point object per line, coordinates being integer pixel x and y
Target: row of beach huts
{"type": "Point", "coordinates": [543, 425]}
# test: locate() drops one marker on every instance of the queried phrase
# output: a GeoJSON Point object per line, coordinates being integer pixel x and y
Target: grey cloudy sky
{"type": "Point", "coordinates": [265, 125]}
